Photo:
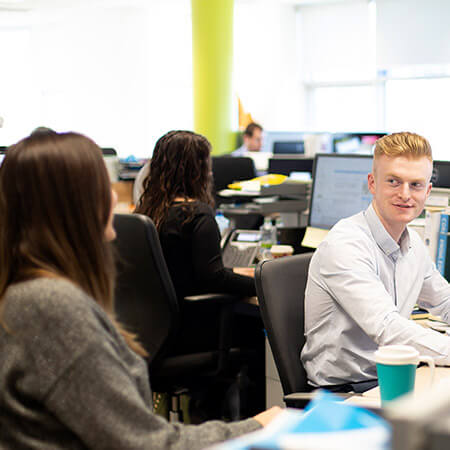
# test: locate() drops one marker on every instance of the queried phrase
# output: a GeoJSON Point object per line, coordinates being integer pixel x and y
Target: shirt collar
{"type": "Point", "coordinates": [383, 238]}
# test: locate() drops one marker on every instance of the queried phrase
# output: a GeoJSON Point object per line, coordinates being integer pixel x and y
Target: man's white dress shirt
{"type": "Point", "coordinates": [362, 287]}
{"type": "Point", "coordinates": [240, 151]}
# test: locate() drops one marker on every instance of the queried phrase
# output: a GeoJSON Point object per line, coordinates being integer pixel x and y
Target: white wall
{"type": "Point", "coordinates": [120, 74]}
{"type": "Point", "coordinates": [266, 72]}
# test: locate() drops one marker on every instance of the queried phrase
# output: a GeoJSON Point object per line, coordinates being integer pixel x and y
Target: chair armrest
{"type": "Point", "coordinates": [218, 298]}
{"type": "Point", "coordinates": [225, 304]}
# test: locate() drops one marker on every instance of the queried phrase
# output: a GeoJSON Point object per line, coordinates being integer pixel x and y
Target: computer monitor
{"type": "Point", "coordinates": [355, 142]}
{"type": "Point", "coordinates": [441, 174]}
{"type": "Point", "coordinates": [289, 147]}
{"type": "Point", "coordinates": [109, 151]}
{"type": "Point", "coordinates": [285, 166]}
{"type": "Point", "coordinates": [339, 188]}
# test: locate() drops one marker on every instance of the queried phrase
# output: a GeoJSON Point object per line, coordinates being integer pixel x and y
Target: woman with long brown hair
{"type": "Point", "coordinates": [177, 197]}
{"type": "Point", "coordinates": [71, 376]}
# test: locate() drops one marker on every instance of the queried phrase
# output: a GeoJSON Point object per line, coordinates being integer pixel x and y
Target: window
{"type": "Point", "coordinates": [342, 43]}
{"type": "Point", "coordinates": [421, 105]}
{"type": "Point", "coordinates": [104, 73]}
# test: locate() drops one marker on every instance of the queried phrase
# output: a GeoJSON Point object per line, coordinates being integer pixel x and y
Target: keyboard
{"type": "Point", "coordinates": [239, 257]}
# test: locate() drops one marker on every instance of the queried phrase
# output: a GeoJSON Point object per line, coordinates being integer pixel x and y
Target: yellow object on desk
{"type": "Point", "coordinates": [271, 179]}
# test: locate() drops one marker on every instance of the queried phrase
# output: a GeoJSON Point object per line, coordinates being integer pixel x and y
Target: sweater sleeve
{"type": "Point", "coordinates": [208, 265]}
{"type": "Point", "coordinates": [98, 400]}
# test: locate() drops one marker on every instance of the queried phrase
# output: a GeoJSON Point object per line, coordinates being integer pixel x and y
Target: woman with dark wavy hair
{"type": "Point", "coordinates": [70, 376]}
{"type": "Point", "coordinates": [177, 197]}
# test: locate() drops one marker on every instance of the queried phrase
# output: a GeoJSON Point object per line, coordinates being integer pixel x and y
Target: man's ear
{"type": "Point", "coordinates": [371, 183]}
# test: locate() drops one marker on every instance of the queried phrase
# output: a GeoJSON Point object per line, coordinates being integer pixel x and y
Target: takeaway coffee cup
{"type": "Point", "coordinates": [396, 368]}
{"type": "Point", "coordinates": [277, 251]}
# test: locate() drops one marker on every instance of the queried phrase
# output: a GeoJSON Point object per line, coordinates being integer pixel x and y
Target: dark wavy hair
{"type": "Point", "coordinates": [180, 167]}
{"type": "Point", "coordinates": [55, 203]}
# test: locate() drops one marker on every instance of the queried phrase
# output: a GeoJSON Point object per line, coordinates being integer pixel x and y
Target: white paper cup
{"type": "Point", "coordinates": [278, 251]}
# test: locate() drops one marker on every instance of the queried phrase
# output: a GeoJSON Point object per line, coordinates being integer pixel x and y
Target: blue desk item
{"type": "Point", "coordinates": [130, 158]}
{"type": "Point", "coordinates": [327, 422]}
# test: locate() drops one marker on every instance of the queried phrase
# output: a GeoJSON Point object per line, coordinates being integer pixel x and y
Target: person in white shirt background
{"type": "Point", "coordinates": [253, 140]}
{"type": "Point", "coordinates": [370, 271]}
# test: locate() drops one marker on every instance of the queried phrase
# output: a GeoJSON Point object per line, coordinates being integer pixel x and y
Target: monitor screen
{"type": "Point", "coordinates": [284, 166]}
{"type": "Point", "coordinates": [441, 174]}
{"type": "Point", "coordinates": [355, 142]}
{"type": "Point", "coordinates": [339, 188]}
{"type": "Point", "coordinates": [108, 151]}
{"type": "Point", "coordinates": [287, 147]}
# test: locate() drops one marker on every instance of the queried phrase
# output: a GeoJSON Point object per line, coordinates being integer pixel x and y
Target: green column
{"type": "Point", "coordinates": [212, 58]}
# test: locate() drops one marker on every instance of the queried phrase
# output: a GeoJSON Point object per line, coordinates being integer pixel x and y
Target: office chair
{"type": "Point", "coordinates": [146, 304]}
{"type": "Point", "coordinates": [280, 286]}
{"type": "Point", "coordinates": [226, 170]}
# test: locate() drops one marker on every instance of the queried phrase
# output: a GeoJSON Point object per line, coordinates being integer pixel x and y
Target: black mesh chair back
{"type": "Point", "coordinates": [145, 298]}
{"type": "Point", "coordinates": [280, 285]}
{"type": "Point", "coordinates": [227, 169]}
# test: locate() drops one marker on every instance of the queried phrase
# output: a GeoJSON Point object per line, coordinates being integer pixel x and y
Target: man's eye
{"type": "Point", "coordinates": [417, 185]}
{"type": "Point", "coordinates": [393, 182]}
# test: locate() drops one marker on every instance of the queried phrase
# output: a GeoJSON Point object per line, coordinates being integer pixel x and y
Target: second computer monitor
{"type": "Point", "coordinates": [339, 188]}
{"type": "Point", "coordinates": [441, 174]}
{"type": "Point", "coordinates": [285, 166]}
{"type": "Point", "coordinates": [289, 147]}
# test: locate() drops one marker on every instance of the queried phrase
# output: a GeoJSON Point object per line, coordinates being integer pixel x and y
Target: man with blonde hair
{"type": "Point", "coordinates": [370, 271]}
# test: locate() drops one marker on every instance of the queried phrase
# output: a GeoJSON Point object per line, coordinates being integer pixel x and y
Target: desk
{"type": "Point", "coordinates": [371, 398]}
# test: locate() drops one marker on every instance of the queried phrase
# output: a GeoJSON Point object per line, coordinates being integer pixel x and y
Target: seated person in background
{"type": "Point", "coordinates": [370, 271]}
{"type": "Point", "coordinates": [177, 197]}
{"type": "Point", "coordinates": [71, 376]}
{"type": "Point", "coordinates": [252, 140]}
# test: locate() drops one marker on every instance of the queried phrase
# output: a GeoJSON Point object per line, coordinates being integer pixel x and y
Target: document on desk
{"type": "Point", "coordinates": [313, 237]}
{"type": "Point", "coordinates": [235, 193]}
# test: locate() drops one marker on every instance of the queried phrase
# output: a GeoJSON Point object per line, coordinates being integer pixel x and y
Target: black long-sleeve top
{"type": "Point", "coordinates": [191, 247]}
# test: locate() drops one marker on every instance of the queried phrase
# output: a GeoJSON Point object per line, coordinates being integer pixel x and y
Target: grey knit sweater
{"type": "Point", "coordinates": [69, 381]}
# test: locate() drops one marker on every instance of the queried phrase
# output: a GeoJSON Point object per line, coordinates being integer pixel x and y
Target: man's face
{"type": "Point", "coordinates": [399, 186]}
{"type": "Point", "coordinates": [254, 142]}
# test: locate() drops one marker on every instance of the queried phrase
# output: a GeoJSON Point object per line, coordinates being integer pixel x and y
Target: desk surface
{"type": "Point", "coordinates": [371, 398]}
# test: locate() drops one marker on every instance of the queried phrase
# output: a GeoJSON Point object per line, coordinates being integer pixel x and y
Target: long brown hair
{"type": "Point", "coordinates": [180, 167]}
{"type": "Point", "coordinates": [55, 202]}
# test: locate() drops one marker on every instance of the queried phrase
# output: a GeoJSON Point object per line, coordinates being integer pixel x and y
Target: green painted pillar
{"type": "Point", "coordinates": [212, 59]}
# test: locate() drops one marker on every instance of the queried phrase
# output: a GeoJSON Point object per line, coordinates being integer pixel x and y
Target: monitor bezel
{"type": "Point", "coordinates": [328, 155]}
{"type": "Point", "coordinates": [291, 142]}
{"type": "Point", "coordinates": [285, 157]}
{"type": "Point", "coordinates": [441, 163]}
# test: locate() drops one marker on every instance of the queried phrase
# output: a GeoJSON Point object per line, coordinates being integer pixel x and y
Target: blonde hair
{"type": "Point", "coordinates": [409, 145]}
